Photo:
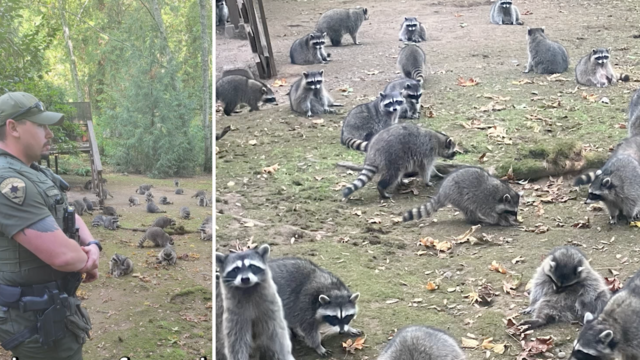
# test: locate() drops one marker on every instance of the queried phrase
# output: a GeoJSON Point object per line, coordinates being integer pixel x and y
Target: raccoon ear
{"type": "Point", "coordinates": [606, 182]}
{"type": "Point", "coordinates": [587, 317]}
{"type": "Point", "coordinates": [305, 74]}
{"type": "Point", "coordinates": [408, 86]}
{"type": "Point", "coordinates": [552, 264]}
{"type": "Point", "coordinates": [321, 72]}
{"type": "Point", "coordinates": [521, 193]}
{"type": "Point", "coordinates": [324, 299]}
{"type": "Point", "coordinates": [365, 11]}
{"type": "Point", "coordinates": [220, 258]}
{"type": "Point", "coordinates": [542, 29]}
{"type": "Point", "coordinates": [264, 251]}
{"type": "Point", "coordinates": [354, 297]}
{"type": "Point", "coordinates": [264, 91]}
{"type": "Point", "coordinates": [593, 51]}
{"type": "Point", "coordinates": [449, 143]}
{"type": "Point", "coordinates": [606, 336]}
{"type": "Point", "coordinates": [382, 95]}
{"type": "Point", "coordinates": [609, 50]}
{"type": "Point", "coordinates": [579, 269]}
{"type": "Point", "coordinates": [312, 36]}
{"type": "Point", "coordinates": [324, 34]}
{"type": "Point", "coordinates": [506, 199]}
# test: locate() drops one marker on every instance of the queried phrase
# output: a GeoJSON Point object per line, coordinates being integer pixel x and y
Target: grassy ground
{"type": "Point", "coordinates": [301, 200]}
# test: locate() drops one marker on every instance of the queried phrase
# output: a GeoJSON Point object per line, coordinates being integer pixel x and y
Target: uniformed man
{"type": "Point", "coordinates": [41, 256]}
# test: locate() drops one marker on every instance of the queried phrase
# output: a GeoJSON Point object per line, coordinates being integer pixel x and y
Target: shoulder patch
{"type": "Point", "coordinates": [14, 189]}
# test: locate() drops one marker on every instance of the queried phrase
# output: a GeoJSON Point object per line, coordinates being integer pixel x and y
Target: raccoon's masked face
{"type": "Point", "coordinates": [600, 189]}
{"type": "Point", "coordinates": [411, 23]}
{"type": "Point", "coordinates": [595, 341]}
{"type": "Point", "coordinates": [600, 56]}
{"type": "Point", "coordinates": [449, 150]}
{"type": "Point", "coordinates": [508, 208]}
{"type": "Point", "coordinates": [412, 92]}
{"type": "Point", "coordinates": [506, 4]}
{"type": "Point", "coordinates": [337, 310]}
{"type": "Point", "coordinates": [244, 269]}
{"type": "Point", "coordinates": [313, 80]}
{"type": "Point", "coordinates": [268, 97]}
{"type": "Point", "coordinates": [563, 277]}
{"type": "Point", "coordinates": [317, 40]}
{"type": "Point", "coordinates": [392, 102]}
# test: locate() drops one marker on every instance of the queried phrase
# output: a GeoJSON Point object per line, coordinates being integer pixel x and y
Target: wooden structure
{"type": "Point", "coordinates": [86, 144]}
{"type": "Point", "coordinates": [249, 13]}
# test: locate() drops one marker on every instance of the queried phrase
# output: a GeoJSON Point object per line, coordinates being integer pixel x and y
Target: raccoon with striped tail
{"type": "Point", "coordinates": [337, 22]}
{"type": "Point", "coordinates": [309, 50]}
{"type": "Point", "coordinates": [417, 342]}
{"type": "Point", "coordinates": [482, 198]}
{"type": "Point", "coordinates": [503, 12]}
{"type": "Point", "coordinates": [157, 236]}
{"type": "Point", "coordinates": [564, 289]}
{"type": "Point", "coordinates": [634, 114]}
{"type": "Point", "coordinates": [308, 96]}
{"type": "Point", "coordinates": [252, 314]}
{"type": "Point", "coordinates": [400, 149]}
{"type": "Point", "coordinates": [595, 69]}
{"type": "Point", "coordinates": [235, 89]}
{"type": "Point", "coordinates": [364, 121]}
{"type": "Point", "coordinates": [316, 302]}
{"type": "Point", "coordinates": [412, 30]}
{"type": "Point", "coordinates": [412, 92]}
{"type": "Point", "coordinates": [412, 61]}
{"type": "Point", "coordinates": [627, 147]}
{"type": "Point", "coordinates": [615, 333]}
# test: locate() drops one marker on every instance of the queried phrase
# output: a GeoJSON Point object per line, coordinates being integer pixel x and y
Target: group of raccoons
{"type": "Point", "coordinates": [121, 265]}
{"type": "Point", "coordinates": [259, 299]}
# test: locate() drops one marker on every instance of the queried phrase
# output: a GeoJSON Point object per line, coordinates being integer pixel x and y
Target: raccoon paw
{"type": "Point", "coordinates": [526, 311]}
{"type": "Point", "coordinates": [323, 352]}
{"type": "Point", "coordinates": [329, 111]}
{"type": "Point", "coordinates": [355, 332]}
{"type": "Point", "coordinates": [613, 220]}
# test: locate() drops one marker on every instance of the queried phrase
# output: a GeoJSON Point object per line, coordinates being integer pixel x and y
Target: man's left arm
{"type": "Point", "coordinates": [92, 251]}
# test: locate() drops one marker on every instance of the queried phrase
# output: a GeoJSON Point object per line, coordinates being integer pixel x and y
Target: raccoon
{"type": "Point", "coordinates": [595, 69]}
{"type": "Point", "coordinates": [98, 220]}
{"type": "Point", "coordinates": [616, 185]}
{"type": "Point", "coordinates": [163, 222]}
{"type": "Point", "coordinates": [88, 185]}
{"type": "Point", "coordinates": [412, 61]}
{"type": "Point", "coordinates": [203, 201]}
{"type": "Point", "coordinates": [109, 210]}
{"type": "Point", "coordinates": [239, 71]}
{"type": "Point", "coordinates": [157, 236]}
{"type": "Point", "coordinates": [482, 198]}
{"type": "Point", "coordinates": [95, 204]}
{"type": "Point", "coordinates": [316, 302]}
{"type": "Point", "coordinates": [503, 12]}
{"type": "Point", "coordinates": [401, 149]}
{"type": "Point", "coordinates": [366, 120]}
{"type": "Point", "coordinates": [417, 342]}
{"type": "Point", "coordinates": [337, 22]}
{"type": "Point", "coordinates": [148, 195]}
{"type": "Point", "coordinates": [627, 147]}
{"type": "Point", "coordinates": [412, 30]}
{"type": "Point", "coordinates": [167, 256]}
{"type": "Point", "coordinates": [87, 203]}
{"type": "Point", "coordinates": [111, 222]}
{"type": "Point", "coordinates": [412, 92]}
{"type": "Point", "coordinates": [153, 208]}
{"type": "Point", "coordinates": [221, 134]}
{"type": "Point", "coordinates": [179, 191]}
{"type": "Point", "coordinates": [220, 351]}
{"type": "Point", "coordinates": [545, 56]}
{"type": "Point", "coordinates": [222, 13]}
{"type": "Point", "coordinates": [133, 201]}
{"type": "Point", "coordinates": [185, 213]}
{"type": "Point", "coordinates": [615, 333]}
{"type": "Point", "coordinates": [199, 193]}
{"type": "Point", "coordinates": [176, 182]}
{"type": "Point", "coordinates": [252, 315]}
{"type": "Point", "coordinates": [309, 97]}
{"type": "Point", "coordinates": [120, 265]}
{"type": "Point", "coordinates": [206, 231]}
{"type": "Point", "coordinates": [309, 50]}
{"type": "Point", "coordinates": [634, 115]}
{"type": "Point", "coordinates": [142, 189]}
{"type": "Point", "coordinates": [164, 201]}
{"type": "Point", "coordinates": [105, 193]}
{"type": "Point", "coordinates": [235, 89]}
{"type": "Point", "coordinates": [565, 288]}
{"type": "Point", "coordinates": [81, 207]}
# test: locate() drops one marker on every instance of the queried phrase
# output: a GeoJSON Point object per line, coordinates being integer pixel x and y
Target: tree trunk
{"type": "Point", "coordinates": [72, 58]}
{"type": "Point", "coordinates": [157, 14]}
{"type": "Point", "coordinates": [206, 77]}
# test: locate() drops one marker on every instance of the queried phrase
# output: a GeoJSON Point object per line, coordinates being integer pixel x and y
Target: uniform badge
{"type": "Point", "coordinates": [14, 189]}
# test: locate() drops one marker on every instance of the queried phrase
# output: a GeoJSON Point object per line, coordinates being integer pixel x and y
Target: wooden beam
{"type": "Point", "coordinates": [271, 64]}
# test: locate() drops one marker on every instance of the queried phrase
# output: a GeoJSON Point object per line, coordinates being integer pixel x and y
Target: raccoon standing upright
{"type": "Point", "coordinates": [417, 342]}
{"type": "Point", "coordinates": [316, 302]}
{"type": "Point", "coordinates": [595, 69]}
{"type": "Point", "coordinates": [222, 13]}
{"type": "Point", "coordinates": [253, 317]}
{"type": "Point", "coordinates": [615, 333]}
{"type": "Point", "coordinates": [545, 56]}
{"type": "Point", "coordinates": [503, 12]}
{"type": "Point", "coordinates": [309, 50]}
{"type": "Point", "coordinates": [337, 22]}
{"type": "Point", "coordinates": [364, 121]}
{"type": "Point", "coordinates": [206, 230]}
{"type": "Point", "coordinates": [308, 96]}
{"type": "Point", "coordinates": [412, 61]}
{"type": "Point", "coordinates": [412, 92]}
{"type": "Point", "coordinates": [565, 288]}
{"type": "Point", "coordinates": [482, 198]}
{"type": "Point", "coordinates": [634, 114]}
{"type": "Point", "coordinates": [412, 30]}
{"type": "Point", "coordinates": [235, 89]}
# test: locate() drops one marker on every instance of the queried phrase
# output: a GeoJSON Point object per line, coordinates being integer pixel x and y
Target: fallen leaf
{"type": "Point", "coordinates": [431, 286]}
{"type": "Point", "coordinates": [590, 98]}
{"type": "Point", "coordinates": [482, 158]}
{"type": "Point", "coordinates": [581, 224]}
{"type": "Point", "coordinates": [518, 259]}
{"type": "Point", "coordinates": [280, 82]}
{"type": "Point", "coordinates": [487, 344]}
{"type": "Point", "coordinates": [339, 186]}
{"type": "Point", "coordinates": [621, 126]}
{"type": "Point", "coordinates": [253, 142]}
{"type": "Point", "coordinates": [392, 301]}
{"type": "Point", "coordinates": [270, 169]}
{"type": "Point", "coordinates": [374, 221]}
{"type": "Point", "coordinates": [522, 82]}
{"type": "Point", "coordinates": [613, 283]}
{"type": "Point", "coordinates": [457, 15]}
{"type": "Point", "coordinates": [469, 343]}
{"type": "Point", "coordinates": [318, 121]}
{"type": "Point", "coordinates": [467, 235]}
{"type": "Point", "coordinates": [374, 72]}
{"type": "Point", "coordinates": [527, 12]}
{"type": "Point", "coordinates": [497, 267]}
{"type": "Point", "coordinates": [464, 83]}
{"type": "Point", "coordinates": [511, 283]}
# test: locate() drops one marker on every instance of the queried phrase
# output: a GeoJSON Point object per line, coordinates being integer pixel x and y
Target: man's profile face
{"type": "Point", "coordinates": [35, 139]}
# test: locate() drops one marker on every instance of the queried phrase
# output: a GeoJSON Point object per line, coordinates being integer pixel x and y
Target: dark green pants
{"type": "Point", "coordinates": [12, 321]}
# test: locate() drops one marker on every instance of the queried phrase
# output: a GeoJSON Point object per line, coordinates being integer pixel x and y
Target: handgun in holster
{"type": "Point", "coordinates": [73, 280]}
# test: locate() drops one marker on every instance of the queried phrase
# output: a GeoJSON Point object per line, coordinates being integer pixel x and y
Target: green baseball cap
{"type": "Point", "coordinates": [23, 106]}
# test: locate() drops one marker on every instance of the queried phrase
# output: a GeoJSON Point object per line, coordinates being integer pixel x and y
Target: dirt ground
{"type": "Point", "coordinates": [360, 240]}
{"type": "Point", "coordinates": [162, 312]}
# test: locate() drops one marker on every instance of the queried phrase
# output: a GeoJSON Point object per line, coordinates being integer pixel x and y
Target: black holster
{"type": "Point", "coordinates": [51, 324]}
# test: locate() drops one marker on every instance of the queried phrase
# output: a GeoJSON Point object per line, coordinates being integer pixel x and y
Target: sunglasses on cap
{"type": "Point", "coordinates": [39, 105]}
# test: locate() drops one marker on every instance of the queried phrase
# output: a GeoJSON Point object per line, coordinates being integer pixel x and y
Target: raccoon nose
{"type": "Point", "coordinates": [341, 331]}
{"type": "Point", "coordinates": [245, 280]}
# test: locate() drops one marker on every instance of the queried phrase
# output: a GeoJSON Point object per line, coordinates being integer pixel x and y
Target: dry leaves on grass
{"type": "Point", "coordinates": [482, 296]}
{"type": "Point", "coordinates": [475, 124]}
{"type": "Point", "coordinates": [557, 77]}
{"type": "Point", "coordinates": [339, 186]}
{"type": "Point", "coordinates": [522, 82]}
{"type": "Point", "coordinates": [493, 106]}
{"type": "Point", "coordinates": [467, 236]}
{"type": "Point", "coordinates": [431, 286]}
{"type": "Point", "coordinates": [527, 12]}
{"type": "Point", "coordinates": [497, 267]}
{"type": "Point", "coordinates": [511, 283]}
{"type": "Point", "coordinates": [469, 343]}
{"type": "Point", "coordinates": [464, 83]}
{"type": "Point", "coordinates": [496, 97]}
{"type": "Point", "coordinates": [351, 346]}
{"type": "Point", "coordinates": [589, 97]}
{"type": "Point", "coordinates": [621, 126]}
{"type": "Point", "coordinates": [538, 229]}
{"type": "Point", "coordinates": [487, 344]}
{"type": "Point", "coordinates": [436, 244]}
{"type": "Point", "coordinates": [499, 135]}
{"type": "Point", "coordinates": [279, 82]}
{"type": "Point", "coordinates": [536, 346]}
{"type": "Point", "coordinates": [613, 283]}
{"type": "Point", "coordinates": [582, 224]}
{"type": "Point", "coordinates": [270, 169]}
